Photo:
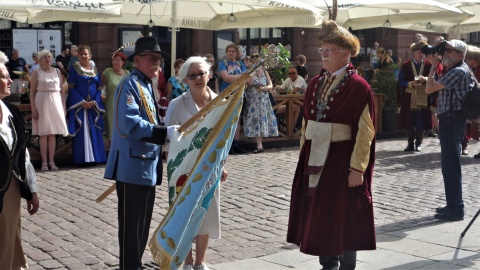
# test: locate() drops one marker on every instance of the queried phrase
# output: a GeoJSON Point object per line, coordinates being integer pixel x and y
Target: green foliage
{"type": "Point", "coordinates": [385, 83]}
{"type": "Point", "coordinates": [199, 139]}
{"type": "Point", "coordinates": [196, 143]}
{"type": "Point", "coordinates": [279, 73]}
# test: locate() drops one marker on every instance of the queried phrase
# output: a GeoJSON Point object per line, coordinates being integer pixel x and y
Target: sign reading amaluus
{"type": "Point", "coordinates": [99, 6]}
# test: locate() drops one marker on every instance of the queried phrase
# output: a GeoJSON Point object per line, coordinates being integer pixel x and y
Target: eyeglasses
{"type": "Point", "coordinates": [195, 76]}
{"type": "Point", "coordinates": [292, 73]}
{"type": "Point", "coordinates": [6, 78]}
{"type": "Point", "coordinates": [151, 57]}
{"type": "Point", "coordinates": [328, 51]}
{"type": "Point", "coordinates": [253, 56]}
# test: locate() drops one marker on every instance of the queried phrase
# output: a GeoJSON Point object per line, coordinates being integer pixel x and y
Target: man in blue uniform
{"type": "Point", "coordinates": [134, 160]}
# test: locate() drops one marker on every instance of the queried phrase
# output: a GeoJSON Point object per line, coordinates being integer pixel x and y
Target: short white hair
{"type": "Point", "coordinates": [3, 58]}
{"type": "Point", "coordinates": [201, 61]}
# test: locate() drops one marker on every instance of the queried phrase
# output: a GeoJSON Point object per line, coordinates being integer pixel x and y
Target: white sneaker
{"type": "Point", "coordinates": [187, 267]}
{"type": "Point", "coordinates": [201, 267]}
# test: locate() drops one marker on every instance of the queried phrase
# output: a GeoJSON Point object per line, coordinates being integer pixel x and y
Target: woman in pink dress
{"type": "Point", "coordinates": [48, 108]}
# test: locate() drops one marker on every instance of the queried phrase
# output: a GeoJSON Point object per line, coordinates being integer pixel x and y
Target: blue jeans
{"type": "Point", "coordinates": [451, 133]}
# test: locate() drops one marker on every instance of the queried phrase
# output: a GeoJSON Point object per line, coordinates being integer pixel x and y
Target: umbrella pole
{"type": "Point", "coordinates": [106, 193]}
{"type": "Point", "coordinates": [174, 38]}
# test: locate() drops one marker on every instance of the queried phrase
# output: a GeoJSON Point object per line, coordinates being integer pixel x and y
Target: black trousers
{"type": "Point", "coordinates": [348, 261]}
{"type": "Point", "coordinates": [135, 206]}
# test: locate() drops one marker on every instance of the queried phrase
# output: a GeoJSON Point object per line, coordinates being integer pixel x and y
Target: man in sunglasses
{"type": "Point", "coordinates": [294, 82]}
{"type": "Point", "coordinates": [331, 211]}
{"type": "Point", "coordinates": [133, 161]}
{"type": "Point", "coordinates": [451, 88]}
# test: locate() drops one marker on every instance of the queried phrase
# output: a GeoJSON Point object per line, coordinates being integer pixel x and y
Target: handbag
{"type": "Point", "coordinates": [273, 101]}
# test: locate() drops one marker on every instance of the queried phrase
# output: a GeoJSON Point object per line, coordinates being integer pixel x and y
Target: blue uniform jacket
{"type": "Point", "coordinates": [135, 148]}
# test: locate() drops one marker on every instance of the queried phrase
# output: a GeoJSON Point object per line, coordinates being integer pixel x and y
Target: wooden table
{"type": "Point", "coordinates": [289, 101]}
{"type": "Point", "coordinates": [26, 111]}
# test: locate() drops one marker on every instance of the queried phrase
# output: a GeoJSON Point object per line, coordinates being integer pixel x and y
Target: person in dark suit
{"type": "Point", "coordinates": [134, 160]}
{"type": "Point", "coordinates": [17, 177]}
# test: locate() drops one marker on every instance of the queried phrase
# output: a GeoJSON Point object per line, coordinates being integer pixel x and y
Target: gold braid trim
{"type": "Point", "coordinates": [410, 89]}
{"type": "Point", "coordinates": [150, 115]}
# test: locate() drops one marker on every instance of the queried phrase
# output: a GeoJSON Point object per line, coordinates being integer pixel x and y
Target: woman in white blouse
{"type": "Point", "coordinates": [194, 73]}
{"type": "Point", "coordinates": [17, 177]}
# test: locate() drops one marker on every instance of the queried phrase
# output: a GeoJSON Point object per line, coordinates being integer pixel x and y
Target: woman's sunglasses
{"type": "Point", "coordinates": [255, 56]}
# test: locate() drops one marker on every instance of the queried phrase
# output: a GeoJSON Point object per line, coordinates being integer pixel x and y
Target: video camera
{"type": "Point", "coordinates": [440, 48]}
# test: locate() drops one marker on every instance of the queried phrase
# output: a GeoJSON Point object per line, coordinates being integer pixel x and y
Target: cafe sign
{"type": "Point", "coordinates": [112, 7]}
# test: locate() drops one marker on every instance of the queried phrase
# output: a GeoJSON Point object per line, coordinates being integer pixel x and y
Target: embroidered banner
{"type": "Point", "coordinates": [195, 163]}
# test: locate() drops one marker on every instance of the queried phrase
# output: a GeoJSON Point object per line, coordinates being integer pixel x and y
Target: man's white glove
{"type": "Point", "coordinates": [170, 130]}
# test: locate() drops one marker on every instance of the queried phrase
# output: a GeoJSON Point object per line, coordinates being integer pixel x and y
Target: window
{"type": "Point", "coordinates": [251, 40]}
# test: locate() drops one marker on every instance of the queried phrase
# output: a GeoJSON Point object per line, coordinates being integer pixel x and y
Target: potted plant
{"type": "Point", "coordinates": [385, 83]}
{"type": "Point", "coordinates": [279, 73]}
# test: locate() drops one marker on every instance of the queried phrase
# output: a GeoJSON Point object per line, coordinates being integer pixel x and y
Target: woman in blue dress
{"type": "Point", "coordinates": [260, 120]}
{"type": "Point", "coordinates": [85, 110]}
{"type": "Point", "coordinates": [175, 86]}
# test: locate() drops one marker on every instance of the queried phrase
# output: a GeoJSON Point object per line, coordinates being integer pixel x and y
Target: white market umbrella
{"type": "Point", "coordinates": [470, 22]}
{"type": "Point", "coordinates": [207, 15]}
{"type": "Point", "coordinates": [18, 15]}
{"type": "Point", "coordinates": [374, 13]}
{"type": "Point", "coordinates": [77, 6]}
{"type": "Point", "coordinates": [38, 11]}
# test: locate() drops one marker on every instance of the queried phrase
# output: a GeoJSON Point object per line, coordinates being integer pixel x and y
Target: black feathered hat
{"type": "Point", "coordinates": [147, 44]}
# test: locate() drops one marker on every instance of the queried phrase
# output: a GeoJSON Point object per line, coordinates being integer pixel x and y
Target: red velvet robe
{"type": "Point", "coordinates": [336, 218]}
{"type": "Point", "coordinates": [405, 120]}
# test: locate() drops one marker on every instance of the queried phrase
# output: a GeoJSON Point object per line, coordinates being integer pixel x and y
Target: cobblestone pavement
{"type": "Point", "coordinates": [72, 231]}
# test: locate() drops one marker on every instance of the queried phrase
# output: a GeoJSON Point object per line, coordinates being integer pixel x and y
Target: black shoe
{"type": "Point", "coordinates": [409, 148]}
{"type": "Point", "coordinates": [418, 149]}
{"type": "Point", "coordinates": [441, 209]}
{"type": "Point", "coordinates": [431, 135]}
{"type": "Point", "coordinates": [239, 150]}
{"type": "Point", "coordinates": [476, 155]}
{"type": "Point", "coordinates": [450, 215]}
{"type": "Point", "coordinates": [231, 152]}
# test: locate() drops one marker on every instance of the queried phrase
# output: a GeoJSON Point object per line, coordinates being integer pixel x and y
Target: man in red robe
{"type": "Point", "coordinates": [473, 61]}
{"type": "Point", "coordinates": [415, 105]}
{"type": "Point", "coordinates": [331, 211]}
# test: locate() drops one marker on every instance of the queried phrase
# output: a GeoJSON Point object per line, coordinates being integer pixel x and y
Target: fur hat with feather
{"type": "Point", "coordinates": [335, 34]}
{"type": "Point", "coordinates": [420, 41]}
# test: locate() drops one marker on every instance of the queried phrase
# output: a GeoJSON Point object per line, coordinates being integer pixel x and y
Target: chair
{"type": "Point", "coordinates": [13, 97]}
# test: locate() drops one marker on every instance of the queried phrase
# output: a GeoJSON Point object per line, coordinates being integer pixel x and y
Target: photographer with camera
{"type": "Point", "coordinates": [452, 87]}
{"type": "Point", "coordinates": [413, 102]}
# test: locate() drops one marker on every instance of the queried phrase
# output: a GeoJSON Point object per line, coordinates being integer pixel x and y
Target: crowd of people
{"type": "Point", "coordinates": [137, 112]}
{"type": "Point", "coordinates": [70, 97]}
{"type": "Point", "coordinates": [88, 102]}
{"type": "Point", "coordinates": [431, 87]}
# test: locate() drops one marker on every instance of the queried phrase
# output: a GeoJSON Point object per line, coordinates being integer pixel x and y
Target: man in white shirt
{"type": "Point", "coordinates": [294, 82]}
